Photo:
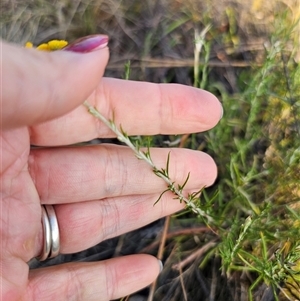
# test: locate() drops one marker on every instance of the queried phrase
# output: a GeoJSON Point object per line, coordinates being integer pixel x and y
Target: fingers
{"type": "Point", "coordinates": [140, 108]}
{"type": "Point", "coordinates": [38, 85]}
{"type": "Point", "coordinates": [68, 175]}
{"type": "Point", "coordinates": [101, 281]}
{"type": "Point", "coordinates": [124, 188]}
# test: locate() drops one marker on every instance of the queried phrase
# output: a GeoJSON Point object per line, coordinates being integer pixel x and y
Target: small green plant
{"type": "Point", "coordinates": [163, 173]}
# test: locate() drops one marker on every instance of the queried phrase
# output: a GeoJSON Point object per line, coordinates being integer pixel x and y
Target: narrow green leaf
{"type": "Point", "coordinates": [186, 180]}
{"type": "Point", "coordinates": [160, 196]}
{"type": "Point", "coordinates": [168, 163]}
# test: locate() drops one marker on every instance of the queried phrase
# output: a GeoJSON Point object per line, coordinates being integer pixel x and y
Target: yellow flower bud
{"type": "Point", "coordinates": [44, 47]}
{"type": "Point", "coordinates": [28, 45]}
{"type": "Point", "coordinates": [50, 46]}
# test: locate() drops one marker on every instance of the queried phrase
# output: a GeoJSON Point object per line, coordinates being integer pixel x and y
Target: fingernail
{"type": "Point", "coordinates": [88, 44]}
{"type": "Point", "coordinates": [161, 266]}
{"type": "Point", "coordinates": [222, 112]}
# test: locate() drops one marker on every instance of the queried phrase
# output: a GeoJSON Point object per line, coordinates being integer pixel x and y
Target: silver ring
{"type": "Point", "coordinates": [47, 236]}
{"type": "Point", "coordinates": [51, 244]}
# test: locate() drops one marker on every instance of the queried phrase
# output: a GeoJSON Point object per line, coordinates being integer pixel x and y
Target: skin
{"type": "Point", "coordinates": [97, 192]}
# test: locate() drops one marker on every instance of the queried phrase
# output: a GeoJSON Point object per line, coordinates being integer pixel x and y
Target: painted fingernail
{"type": "Point", "coordinates": [161, 266]}
{"type": "Point", "coordinates": [88, 44]}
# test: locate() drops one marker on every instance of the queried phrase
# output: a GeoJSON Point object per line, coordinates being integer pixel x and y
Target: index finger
{"type": "Point", "coordinates": [141, 108]}
{"type": "Point", "coordinates": [35, 85]}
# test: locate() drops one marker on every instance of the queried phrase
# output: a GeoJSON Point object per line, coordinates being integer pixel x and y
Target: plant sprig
{"type": "Point", "coordinates": [162, 173]}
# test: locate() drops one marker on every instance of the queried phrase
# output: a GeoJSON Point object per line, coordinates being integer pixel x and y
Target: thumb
{"type": "Point", "coordinates": [37, 85]}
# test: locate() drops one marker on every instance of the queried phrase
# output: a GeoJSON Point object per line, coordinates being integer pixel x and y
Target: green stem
{"type": "Point", "coordinates": [121, 136]}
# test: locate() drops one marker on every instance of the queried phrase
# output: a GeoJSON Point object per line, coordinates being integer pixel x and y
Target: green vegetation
{"type": "Point", "coordinates": [248, 55]}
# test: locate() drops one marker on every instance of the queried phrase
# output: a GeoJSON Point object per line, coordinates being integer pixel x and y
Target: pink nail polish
{"type": "Point", "coordinates": [88, 44]}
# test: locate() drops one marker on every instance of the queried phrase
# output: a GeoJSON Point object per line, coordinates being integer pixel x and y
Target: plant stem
{"type": "Point", "coordinates": [123, 137]}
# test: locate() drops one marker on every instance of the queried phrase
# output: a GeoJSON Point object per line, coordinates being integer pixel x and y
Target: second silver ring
{"type": "Point", "coordinates": [51, 243]}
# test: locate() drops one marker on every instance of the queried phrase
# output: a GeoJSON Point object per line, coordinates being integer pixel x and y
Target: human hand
{"type": "Point", "coordinates": [98, 192]}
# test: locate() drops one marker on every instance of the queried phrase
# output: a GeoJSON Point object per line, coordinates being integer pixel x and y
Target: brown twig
{"type": "Point", "coordinates": [160, 253]}
{"type": "Point", "coordinates": [194, 255]}
{"type": "Point", "coordinates": [171, 63]}
{"type": "Point", "coordinates": [182, 284]}
{"type": "Point", "coordinates": [189, 231]}
{"type": "Point", "coordinates": [183, 140]}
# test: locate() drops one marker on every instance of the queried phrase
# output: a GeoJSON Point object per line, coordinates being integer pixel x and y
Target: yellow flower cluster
{"type": "Point", "coordinates": [50, 46]}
